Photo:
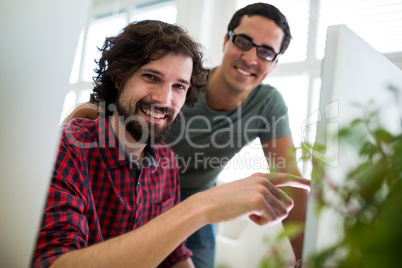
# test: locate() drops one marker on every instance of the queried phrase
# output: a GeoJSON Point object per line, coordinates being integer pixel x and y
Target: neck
{"type": "Point", "coordinates": [221, 96]}
{"type": "Point", "coordinates": [133, 148]}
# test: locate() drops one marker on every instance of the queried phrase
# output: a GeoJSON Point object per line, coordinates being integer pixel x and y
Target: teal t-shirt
{"type": "Point", "coordinates": [205, 140]}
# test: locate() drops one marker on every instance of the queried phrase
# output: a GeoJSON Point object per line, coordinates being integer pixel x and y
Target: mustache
{"type": "Point", "coordinates": [169, 110]}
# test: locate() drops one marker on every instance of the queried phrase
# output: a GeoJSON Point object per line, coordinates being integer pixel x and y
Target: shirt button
{"type": "Point", "coordinates": [136, 221]}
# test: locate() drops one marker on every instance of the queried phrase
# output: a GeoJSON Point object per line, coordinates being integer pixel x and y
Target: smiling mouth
{"type": "Point", "coordinates": [243, 72]}
{"type": "Point", "coordinates": [152, 113]}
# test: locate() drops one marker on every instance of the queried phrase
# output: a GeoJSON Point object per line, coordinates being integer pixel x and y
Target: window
{"type": "Point", "coordinates": [97, 31]}
{"type": "Point", "coordinates": [297, 75]}
{"type": "Point", "coordinates": [165, 11]}
{"type": "Point", "coordinates": [379, 22]}
{"type": "Point", "coordinates": [107, 19]}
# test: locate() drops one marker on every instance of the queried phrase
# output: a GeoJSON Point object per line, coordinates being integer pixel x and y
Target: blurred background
{"type": "Point", "coordinates": [297, 76]}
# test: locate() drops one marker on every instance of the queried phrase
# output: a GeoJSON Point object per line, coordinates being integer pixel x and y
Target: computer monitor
{"type": "Point", "coordinates": [352, 72]}
{"type": "Point", "coordinates": [38, 43]}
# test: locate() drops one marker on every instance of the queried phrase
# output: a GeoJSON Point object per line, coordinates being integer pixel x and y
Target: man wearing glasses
{"type": "Point", "coordinates": [236, 109]}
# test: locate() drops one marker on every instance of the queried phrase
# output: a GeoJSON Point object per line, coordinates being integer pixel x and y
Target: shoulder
{"type": "Point", "coordinates": [266, 91]}
{"type": "Point", "coordinates": [265, 95]}
{"type": "Point", "coordinates": [79, 131]}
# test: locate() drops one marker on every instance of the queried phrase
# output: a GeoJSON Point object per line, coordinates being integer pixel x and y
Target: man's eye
{"type": "Point", "coordinates": [244, 42]}
{"type": "Point", "coordinates": [267, 53]}
{"type": "Point", "coordinates": [150, 76]}
{"type": "Point", "coordinates": [179, 86]}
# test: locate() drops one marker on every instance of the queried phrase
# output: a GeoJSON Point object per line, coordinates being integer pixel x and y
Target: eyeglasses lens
{"type": "Point", "coordinates": [246, 44]}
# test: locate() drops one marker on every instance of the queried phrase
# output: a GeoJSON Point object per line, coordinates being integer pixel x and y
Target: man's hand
{"type": "Point", "coordinates": [257, 195]}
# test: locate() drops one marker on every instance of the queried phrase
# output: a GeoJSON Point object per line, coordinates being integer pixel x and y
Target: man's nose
{"type": "Point", "coordinates": [250, 56]}
{"type": "Point", "coordinates": [163, 95]}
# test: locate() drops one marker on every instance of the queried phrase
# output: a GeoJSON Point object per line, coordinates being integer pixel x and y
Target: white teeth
{"type": "Point", "coordinates": [155, 115]}
{"type": "Point", "coordinates": [243, 71]}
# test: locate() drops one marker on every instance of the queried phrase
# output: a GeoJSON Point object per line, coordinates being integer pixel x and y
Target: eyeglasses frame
{"type": "Point", "coordinates": [233, 36]}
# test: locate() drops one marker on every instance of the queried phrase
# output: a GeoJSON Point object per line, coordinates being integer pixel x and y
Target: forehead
{"type": "Point", "coordinates": [261, 30]}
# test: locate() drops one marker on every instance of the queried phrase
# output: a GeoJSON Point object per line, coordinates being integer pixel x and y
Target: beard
{"type": "Point", "coordinates": [142, 130]}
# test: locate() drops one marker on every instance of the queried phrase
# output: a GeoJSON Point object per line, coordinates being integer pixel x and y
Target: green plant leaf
{"type": "Point", "coordinates": [383, 136]}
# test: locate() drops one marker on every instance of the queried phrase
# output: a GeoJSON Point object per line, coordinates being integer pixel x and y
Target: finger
{"type": "Point", "coordinates": [274, 196]}
{"type": "Point", "coordinates": [260, 220]}
{"type": "Point", "coordinates": [264, 221]}
{"type": "Point", "coordinates": [279, 202]}
{"type": "Point", "coordinates": [284, 179]}
{"type": "Point", "coordinates": [278, 199]}
{"type": "Point", "coordinates": [271, 209]}
{"type": "Point", "coordinates": [264, 218]}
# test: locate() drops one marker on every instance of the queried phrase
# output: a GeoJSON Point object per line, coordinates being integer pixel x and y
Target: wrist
{"type": "Point", "coordinates": [196, 209]}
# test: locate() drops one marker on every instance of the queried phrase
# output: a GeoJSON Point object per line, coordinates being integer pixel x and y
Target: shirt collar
{"type": "Point", "coordinates": [149, 158]}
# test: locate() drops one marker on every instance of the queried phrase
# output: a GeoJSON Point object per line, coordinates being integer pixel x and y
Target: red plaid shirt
{"type": "Point", "coordinates": [97, 192]}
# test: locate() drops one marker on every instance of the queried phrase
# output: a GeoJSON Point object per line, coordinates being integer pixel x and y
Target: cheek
{"type": "Point", "coordinates": [126, 98]}
{"type": "Point", "coordinates": [266, 69]}
{"type": "Point", "coordinates": [181, 100]}
{"type": "Point", "coordinates": [131, 95]}
{"type": "Point", "coordinates": [231, 53]}
{"type": "Point", "coordinates": [235, 54]}
{"type": "Point", "coordinates": [178, 101]}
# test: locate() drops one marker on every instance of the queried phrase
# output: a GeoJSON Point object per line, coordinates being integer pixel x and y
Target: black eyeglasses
{"type": "Point", "coordinates": [244, 42]}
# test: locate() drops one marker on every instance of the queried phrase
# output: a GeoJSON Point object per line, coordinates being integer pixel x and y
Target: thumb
{"type": "Point", "coordinates": [285, 179]}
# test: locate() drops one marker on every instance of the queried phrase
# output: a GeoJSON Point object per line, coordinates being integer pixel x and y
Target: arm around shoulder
{"type": "Point", "coordinates": [84, 110]}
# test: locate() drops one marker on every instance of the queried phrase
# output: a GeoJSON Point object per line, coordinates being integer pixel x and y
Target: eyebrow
{"type": "Point", "coordinates": [156, 72]}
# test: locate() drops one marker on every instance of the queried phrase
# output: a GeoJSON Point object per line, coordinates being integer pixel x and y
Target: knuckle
{"type": "Point", "coordinates": [262, 181]}
{"type": "Point", "coordinates": [258, 199]}
{"type": "Point", "coordinates": [262, 189]}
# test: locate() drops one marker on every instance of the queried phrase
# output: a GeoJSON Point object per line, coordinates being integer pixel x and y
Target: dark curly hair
{"type": "Point", "coordinates": [138, 44]}
{"type": "Point", "coordinates": [268, 11]}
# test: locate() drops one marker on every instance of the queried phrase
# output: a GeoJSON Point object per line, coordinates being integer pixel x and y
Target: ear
{"type": "Point", "coordinates": [116, 85]}
{"type": "Point", "coordinates": [225, 40]}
